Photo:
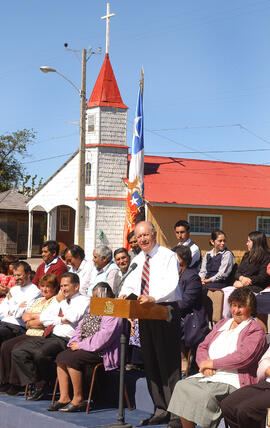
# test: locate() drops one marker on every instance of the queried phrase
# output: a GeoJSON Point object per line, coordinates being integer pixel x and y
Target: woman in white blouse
{"type": "Point", "coordinates": [227, 359]}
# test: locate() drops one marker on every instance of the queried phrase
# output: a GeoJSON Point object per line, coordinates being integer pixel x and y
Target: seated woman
{"type": "Point", "coordinates": [247, 407]}
{"type": "Point", "coordinates": [218, 263]}
{"type": "Point", "coordinates": [192, 311]}
{"type": "Point", "coordinates": [96, 339]}
{"type": "Point", "coordinates": [49, 287]}
{"type": "Point", "coordinates": [252, 271]}
{"type": "Point", "coordinates": [227, 358]}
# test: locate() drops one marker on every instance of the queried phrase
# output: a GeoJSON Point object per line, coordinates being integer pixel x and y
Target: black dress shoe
{"type": "Point", "coordinates": [72, 408]}
{"type": "Point", "coordinates": [14, 390]}
{"type": "Point", "coordinates": [39, 394]}
{"type": "Point", "coordinates": [56, 406]}
{"type": "Point", "coordinates": [163, 418]}
{"type": "Point", "coordinates": [4, 387]}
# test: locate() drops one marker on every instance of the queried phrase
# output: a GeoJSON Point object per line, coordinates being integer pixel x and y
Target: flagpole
{"type": "Point", "coordinates": [142, 81]}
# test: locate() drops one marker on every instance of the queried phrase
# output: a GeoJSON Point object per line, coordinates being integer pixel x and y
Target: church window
{"type": "Point", "coordinates": [88, 174]}
{"type": "Point", "coordinates": [204, 224]}
{"type": "Point", "coordinates": [91, 123]}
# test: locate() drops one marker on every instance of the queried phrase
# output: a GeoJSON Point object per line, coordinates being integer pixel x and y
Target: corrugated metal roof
{"type": "Point", "coordinates": [206, 183]}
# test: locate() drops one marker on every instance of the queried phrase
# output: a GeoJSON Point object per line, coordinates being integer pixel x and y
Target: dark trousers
{"type": "Point", "coordinates": [160, 342]}
{"type": "Point", "coordinates": [8, 330]}
{"type": "Point", "coordinates": [33, 359]}
{"type": "Point", "coordinates": [246, 407]}
{"type": "Point", "coordinates": [8, 372]}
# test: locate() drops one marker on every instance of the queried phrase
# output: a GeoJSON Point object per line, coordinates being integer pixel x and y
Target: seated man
{"type": "Point", "coordinates": [33, 359]}
{"type": "Point", "coordinates": [51, 262]}
{"type": "Point", "coordinates": [182, 232]}
{"type": "Point", "coordinates": [247, 407]}
{"type": "Point", "coordinates": [105, 269]}
{"type": "Point", "coordinates": [75, 257]}
{"type": "Point", "coordinates": [15, 303]}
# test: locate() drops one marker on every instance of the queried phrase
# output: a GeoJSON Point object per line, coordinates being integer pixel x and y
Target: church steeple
{"type": "Point", "coordinates": [106, 92]}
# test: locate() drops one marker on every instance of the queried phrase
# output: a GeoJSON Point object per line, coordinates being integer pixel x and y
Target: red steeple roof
{"type": "Point", "coordinates": [106, 92]}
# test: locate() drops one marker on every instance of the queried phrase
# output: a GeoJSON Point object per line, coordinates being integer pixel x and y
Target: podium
{"type": "Point", "coordinates": [126, 309]}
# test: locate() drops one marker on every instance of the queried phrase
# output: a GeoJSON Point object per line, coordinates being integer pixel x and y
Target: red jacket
{"type": "Point", "coordinates": [58, 269]}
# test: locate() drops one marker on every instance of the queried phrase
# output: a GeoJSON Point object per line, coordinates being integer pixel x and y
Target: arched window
{"type": "Point", "coordinates": [88, 174]}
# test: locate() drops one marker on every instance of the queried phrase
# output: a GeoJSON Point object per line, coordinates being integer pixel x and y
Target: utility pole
{"type": "Point", "coordinates": [80, 215]}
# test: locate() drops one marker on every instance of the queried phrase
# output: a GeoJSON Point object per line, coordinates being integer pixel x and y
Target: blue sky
{"type": "Point", "coordinates": [207, 74]}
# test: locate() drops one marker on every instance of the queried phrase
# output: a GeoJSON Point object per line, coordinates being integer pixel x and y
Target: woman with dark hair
{"type": "Point", "coordinates": [96, 339]}
{"type": "Point", "coordinates": [49, 287]}
{"type": "Point", "coordinates": [227, 358]}
{"type": "Point", "coordinates": [252, 269]}
{"type": "Point", "coordinates": [217, 264]}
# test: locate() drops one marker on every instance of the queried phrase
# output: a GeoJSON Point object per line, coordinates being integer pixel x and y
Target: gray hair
{"type": "Point", "coordinates": [148, 223]}
{"type": "Point", "coordinates": [104, 251]}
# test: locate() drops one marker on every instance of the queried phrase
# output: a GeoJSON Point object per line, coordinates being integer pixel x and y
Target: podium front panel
{"type": "Point", "coordinates": [127, 309]}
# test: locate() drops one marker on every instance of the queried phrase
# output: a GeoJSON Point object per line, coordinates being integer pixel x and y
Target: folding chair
{"type": "Point", "coordinates": [93, 378]}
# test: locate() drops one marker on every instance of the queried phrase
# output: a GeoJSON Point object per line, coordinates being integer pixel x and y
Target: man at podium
{"type": "Point", "coordinates": [155, 280]}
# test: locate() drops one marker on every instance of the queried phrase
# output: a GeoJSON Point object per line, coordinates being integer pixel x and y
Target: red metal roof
{"type": "Point", "coordinates": [106, 92]}
{"type": "Point", "coordinates": [206, 183]}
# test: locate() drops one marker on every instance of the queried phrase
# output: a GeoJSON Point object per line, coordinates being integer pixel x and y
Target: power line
{"type": "Point", "coordinates": [45, 159]}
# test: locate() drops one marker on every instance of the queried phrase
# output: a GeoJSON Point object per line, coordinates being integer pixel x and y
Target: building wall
{"type": "Point", "coordinates": [112, 167]}
{"type": "Point", "coordinates": [110, 220]}
{"type": "Point", "coordinates": [14, 232]}
{"type": "Point", "coordinates": [235, 223]}
{"type": "Point", "coordinates": [106, 125]}
{"type": "Point", "coordinates": [62, 189]}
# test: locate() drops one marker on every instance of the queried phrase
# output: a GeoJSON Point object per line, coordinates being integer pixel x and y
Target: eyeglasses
{"type": "Point", "coordinates": [143, 235]}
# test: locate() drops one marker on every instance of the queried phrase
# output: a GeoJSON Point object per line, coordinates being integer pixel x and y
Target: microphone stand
{"type": "Point", "coordinates": [123, 342]}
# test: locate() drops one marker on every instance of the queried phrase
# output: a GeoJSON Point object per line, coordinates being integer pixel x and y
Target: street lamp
{"type": "Point", "coordinates": [80, 215]}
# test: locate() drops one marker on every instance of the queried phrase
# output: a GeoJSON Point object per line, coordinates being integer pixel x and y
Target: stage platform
{"type": "Point", "coordinates": [16, 412]}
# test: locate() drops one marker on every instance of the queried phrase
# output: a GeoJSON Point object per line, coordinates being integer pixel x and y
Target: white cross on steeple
{"type": "Point", "coordinates": [107, 17]}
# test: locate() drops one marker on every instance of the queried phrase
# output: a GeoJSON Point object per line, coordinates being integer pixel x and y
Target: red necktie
{"type": "Point", "coordinates": [145, 276]}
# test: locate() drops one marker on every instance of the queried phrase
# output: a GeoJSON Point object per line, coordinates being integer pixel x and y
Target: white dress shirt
{"type": "Point", "coordinates": [48, 265]}
{"type": "Point", "coordinates": [73, 311]}
{"type": "Point", "coordinates": [19, 294]}
{"type": "Point", "coordinates": [163, 278]}
{"type": "Point", "coordinates": [84, 272]}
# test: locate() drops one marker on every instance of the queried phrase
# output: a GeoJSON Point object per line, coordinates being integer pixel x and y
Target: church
{"type": "Point", "coordinates": [209, 194]}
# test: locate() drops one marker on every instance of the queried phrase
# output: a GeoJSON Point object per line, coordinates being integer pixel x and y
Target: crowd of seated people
{"type": "Point", "coordinates": [46, 332]}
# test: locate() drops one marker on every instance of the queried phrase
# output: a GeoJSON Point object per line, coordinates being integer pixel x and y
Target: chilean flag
{"type": "Point", "coordinates": [135, 196]}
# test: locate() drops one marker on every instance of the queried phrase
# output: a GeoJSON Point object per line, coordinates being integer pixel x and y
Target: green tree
{"type": "Point", "coordinates": [13, 148]}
